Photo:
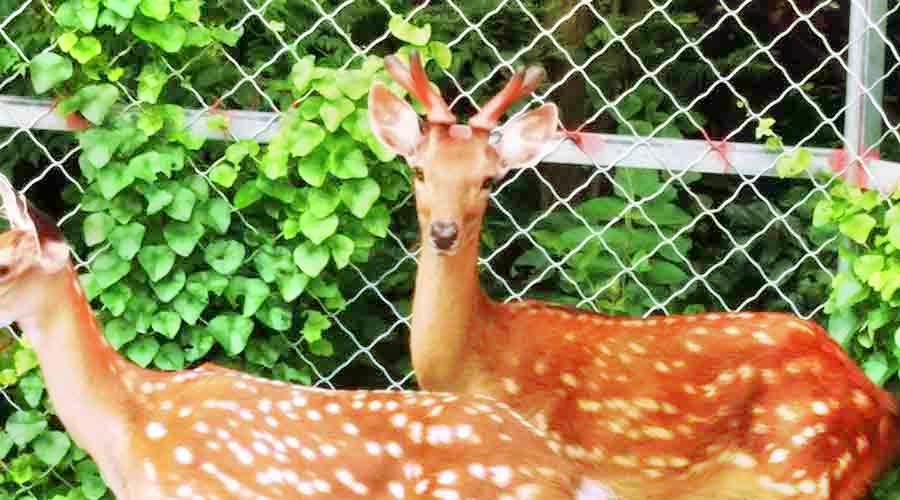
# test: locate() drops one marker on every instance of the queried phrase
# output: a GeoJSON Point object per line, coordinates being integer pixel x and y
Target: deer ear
{"type": "Point", "coordinates": [527, 139]}
{"type": "Point", "coordinates": [393, 121]}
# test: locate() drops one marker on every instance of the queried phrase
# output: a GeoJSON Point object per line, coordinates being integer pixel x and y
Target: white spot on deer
{"type": "Point", "coordinates": [149, 471]}
{"type": "Point", "coordinates": [786, 413]}
{"type": "Point", "coordinates": [820, 408]}
{"type": "Point", "coordinates": [861, 400]}
{"type": "Point", "coordinates": [184, 491]}
{"type": "Point", "coordinates": [692, 346]}
{"type": "Point", "coordinates": [398, 420]}
{"type": "Point", "coordinates": [333, 408]}
{"type": "Point", "coordinates": [783, 488]}
{"type": "Point", "coordinates": [201, 427]}
{"type": "Point", "coordinates": [732, 331]}
{"type": "Point", "coordinates": [510, 386]}
{"type": "Point", "coordinates": [393, 449]}
{"type": "Point", "coordinates": [501, 475]}
{"type": "Point", "coordinates": [156, 431]}
{"type": "Point", "coordinates": [265, 406]}
{"type": "Point", "coordinates": [700, 330]}
{"type": "Point", "coordinates": [243, 456]}
{"type": "Point", "coordinates": [637, 348]}
{"type": "Point", "coordinates": [396, 490]}
{"type": "Point", "coordinates": [328, 450]}
{"type": "Point", "coordinates": [763, 338]}
{"type": "Point", "coordinates": [778, 455]}
{"type": "Point", "coordinates": [447, 478]}
{"type": "Point", "coordinates": [183, 455]}
{"type": "Point", "coordinates": [569, 379]}
{"type": "Point", "coordinates": [314, 415]}
{"type": "Point", "coordinates": [658, 433]}
{"type": "Point", "coordinates": [661, 367]}
{"type": "Point", "coordinates": [445, 494]}
{"type": "Point", "coordinates": [477, 471]}
{"type": "Point", "coordinates": [744, 461]}
{"type": "Point", "coordinates": [439, 434]}
{"type": "Point", "coordinates": [261, 448]}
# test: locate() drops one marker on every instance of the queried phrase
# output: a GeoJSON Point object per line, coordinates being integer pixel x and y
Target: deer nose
{"type": "Point", "coordinates": [443, 234]}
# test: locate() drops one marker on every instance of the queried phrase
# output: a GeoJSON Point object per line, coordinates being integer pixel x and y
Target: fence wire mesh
{"type": "Point", "coordinates": [658, 239]}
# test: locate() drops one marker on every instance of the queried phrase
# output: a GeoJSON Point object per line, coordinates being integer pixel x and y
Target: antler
{"type": "Point", "coordinates": [521, 84]}
{"type": "Point", "coordinates": [415, 81]}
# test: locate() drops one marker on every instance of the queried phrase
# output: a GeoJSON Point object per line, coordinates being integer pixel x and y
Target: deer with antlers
{"type": "Point", "coordinates": [711, 406]}
{"type": "Point", "coordinates": [212, 433]}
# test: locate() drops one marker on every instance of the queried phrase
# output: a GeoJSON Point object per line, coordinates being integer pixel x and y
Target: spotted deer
{"type": "Point", "coordinates": [212, 433]}
{"type": "Point", "coordinates": [714, 406]}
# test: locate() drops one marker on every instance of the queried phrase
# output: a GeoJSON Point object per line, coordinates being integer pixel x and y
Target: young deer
{"type": "Point", "coordinates": [211, 433]}
{"type": "Point", "coordinates": [711, 406]}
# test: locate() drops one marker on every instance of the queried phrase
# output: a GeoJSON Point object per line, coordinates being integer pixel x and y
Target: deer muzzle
{"type": "Point", "coordinates": [444, 235]}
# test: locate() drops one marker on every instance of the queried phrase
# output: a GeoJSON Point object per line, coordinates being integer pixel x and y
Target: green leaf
{"type": "Point", "coordinates": [602, 209]}
{"type": "Point", "coordinates": [94, 102]}
{"type": "Point", "coordinates": [346, 164]}
{"type": "Point", "coordinates": [323, 202]}
{"type": "Point", "coordinates": [254, 291]}
{"type": "Point", "coordinates": [157, 199]}
{"type": "Point", "coordinates": [441, 54]}
{"type": "Point", "coordinates": [24, 426]}
{"type": "Point", "coordinates": [225, 257]}
{"type": "Point", "coordinates": [341, 249]}
{"type": "Point", "coordinates": [354, 84]}
{"type": "Point", "coordinates": [51, 447]}
{"type": "Point", "coordinates": [200, 342]}
{"type": "Point", "coordinates": [127, 239]}
{"type": "Point", "coordinates": [119, 332]}
{"type": "Point", "coordinates": [322, 347]}
{"type": "Point", "coordinates": [794, 164]}
{"type": "Point", "coordinates": [307, 137]}
{"type": "Point", "coordinates": [151, 80]}
{"type": "Point", "coordinates": [334, 112]}
{"type": "Point", "coordinates": [858, 227]}
{"type": "Point", "coordinates": [25, 360]}
{"type": "Point", "coordinates": [182, 204]}
{"type": "Point", "coordinates": [170, 286]}
{"type": "Point", "coordinates": [377, 221]}
{"type": "Point", "coordinates": [247, 195]}
{"type": "Point", "coordinates": [189, 306]}
{"type": "Point", "coordinates": [124, 8]}
{"type": "Point", "coordinates": [407, 32]}
{"type": "Point", "coordinates": [292, 285]}
{"type": "Point", "coordinates": [866, 265]}
{"type": "Point", "coordinates": [182, 237]}
{"type": "Point", "coordinates": [314, 168]}
{"type": "Point", "coordinates": [302, 73]}
{"type": "Point", "coordinates": [166, 323]}
{"type": "Point", "coordinates": [156, 9]}
{"type": "Point", "coordinates": [157, 261]}
{"type": "Point", "coordinates": [32, 387]}
{"type": "Point", "coordinates": [48, 70]}
{"type": "Point", "coordinates": [86, 49]}
{"type": "Point", "coordinates": [115, 298]}
{"type": "Point", "coordinates": [113, 178]}
{"type": "Point", "coordinates": [168, 35]}
{"type": "Point", "coordinates": [360, 195]}
{"type": "Point", "coordinates": [108, 268]}
{"type": "Point", "coordinates": [188, 9]}
{"type": "Point", "coordinates": [318, 229]}
{"type": "Point", "coordinates": [314, 325]}
{"type": "Point", "coordinates": [170, 357]}
{"type": "Point", "coordinates": [6, 444]}
{"type": "Point", "coordinates": [217, 214]}
{"type": "Point", "coordinates": [97, 227]}
{"type": "Point", "coordinates": [142, 351]}
{"type": "Point", "coordinates": [232, 331]}
{"type": "Point", "coordinates": [223, 174]}
{"type": "Point", "coordinates": [637, 182]}
{"type": "Point", "coordinates": [877, 368]}
{"type": "Point", "coordinates": [92, 485]}
{"type": "Point", "coordinates": [311, 259]}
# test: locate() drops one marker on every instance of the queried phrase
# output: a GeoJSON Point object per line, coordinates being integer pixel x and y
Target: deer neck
{"type": "Point", "coordinates": [446, 301]}
{"type": "Point", "coordinates": [85, 377]}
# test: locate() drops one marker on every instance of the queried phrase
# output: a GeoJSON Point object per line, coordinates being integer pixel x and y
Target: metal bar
{"type": "Point", "coordinates": [748, 159]}
{"type": "Point", "coordinates": [865, 90]}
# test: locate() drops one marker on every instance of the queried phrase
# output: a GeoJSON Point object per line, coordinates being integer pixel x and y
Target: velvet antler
{"type": "Point", "coordinates": [521, 84]}
{"type": "Point", "coordinates": [415, 81]}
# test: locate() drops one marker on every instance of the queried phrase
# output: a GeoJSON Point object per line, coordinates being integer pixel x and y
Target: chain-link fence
{"type": "Point", "coordinates": [693, 186]}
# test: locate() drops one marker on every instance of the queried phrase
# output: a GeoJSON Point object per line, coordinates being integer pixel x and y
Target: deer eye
{"type": "Point", "coordinates": [488, 184]}
{"type": "Point", "coordinates": [419, 173]}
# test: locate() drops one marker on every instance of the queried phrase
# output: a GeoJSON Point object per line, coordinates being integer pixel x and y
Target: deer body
{"type": "Point", "coordinates": [713, 407]}
{"type": "Point", "coordinates": [211, 433]}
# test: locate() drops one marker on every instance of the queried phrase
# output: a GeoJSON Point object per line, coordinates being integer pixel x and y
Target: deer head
{"type": "Point", "coordinates": [456, 165]}
{"type": "Point", "coordinates": [31, 250]}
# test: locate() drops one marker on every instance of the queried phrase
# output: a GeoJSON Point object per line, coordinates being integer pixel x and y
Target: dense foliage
{"type": "Point", "coordinates": [291, 258]}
